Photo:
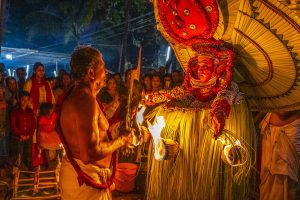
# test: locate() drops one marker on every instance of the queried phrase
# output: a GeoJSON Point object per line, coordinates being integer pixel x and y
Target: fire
{"type": "Point", "coordinates": [156, 128]}
{"type": "Point", "coordinates": [139, 115]}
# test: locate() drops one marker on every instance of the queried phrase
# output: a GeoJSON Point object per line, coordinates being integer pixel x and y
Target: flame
{"type": "Point", "coordinates": [237, 142]}
{"type": "Point", "coordinates": [139, 115]}
{"type": "Point", "coordinates": [156, 128]}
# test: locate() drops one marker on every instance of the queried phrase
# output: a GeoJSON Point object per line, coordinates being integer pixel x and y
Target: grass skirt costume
{"type": "Point", "coordinates": [198, 171]}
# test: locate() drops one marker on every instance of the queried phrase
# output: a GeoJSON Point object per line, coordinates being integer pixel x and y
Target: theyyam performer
{"type": "Point", "coordinates": [88, 168]}
{"type": "Point", "coordinates": [236, 55]}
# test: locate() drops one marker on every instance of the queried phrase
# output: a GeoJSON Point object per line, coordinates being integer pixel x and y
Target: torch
{"type": "Point", "coordinates": [135, 74]}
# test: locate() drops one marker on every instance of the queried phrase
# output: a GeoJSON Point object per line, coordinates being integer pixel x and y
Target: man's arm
{"type": "Point", "coordinates": [90, 147]}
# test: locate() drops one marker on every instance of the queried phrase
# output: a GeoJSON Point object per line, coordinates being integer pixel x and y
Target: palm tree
{"type": "Point", "coordinates": [54, 17]}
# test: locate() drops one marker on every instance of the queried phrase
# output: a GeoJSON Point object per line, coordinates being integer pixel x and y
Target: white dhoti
{"type": "Point", "coordinates": [71, 190]}
{"type": "Point", "coordinates": [280, 160]}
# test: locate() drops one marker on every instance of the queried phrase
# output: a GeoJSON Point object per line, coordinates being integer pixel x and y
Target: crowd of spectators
{"type": "Point", "coordinates": [28, 110]}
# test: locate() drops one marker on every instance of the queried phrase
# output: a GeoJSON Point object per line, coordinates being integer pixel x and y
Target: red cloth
{"type": "Point", "coordinates": [38, 158]}
{"type": "Point", "coordinates": [47, 124]}
{"type": "Point", "coordinates": [49, 138]}
{"type": "Point", "coordinates": [23, 122]}
{"type": "Point", "coordinates": [35, 92]}
{"type": "Point", "coordinates": [82, 176]}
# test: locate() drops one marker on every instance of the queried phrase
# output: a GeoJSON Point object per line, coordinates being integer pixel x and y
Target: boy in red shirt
{"type": "Point", "coordinates": [23, 125]}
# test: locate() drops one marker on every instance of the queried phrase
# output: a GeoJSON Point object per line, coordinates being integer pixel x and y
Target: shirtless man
{"type": "Point", "coordinates": [84, 128]}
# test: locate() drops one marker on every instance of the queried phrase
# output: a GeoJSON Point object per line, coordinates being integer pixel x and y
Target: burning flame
{"type": "Point", "coordinates": [156, 128]}
{"type": "Point", "coordinates": [139, 115]}
{"type": "Point", "coordinates": [227, 149]}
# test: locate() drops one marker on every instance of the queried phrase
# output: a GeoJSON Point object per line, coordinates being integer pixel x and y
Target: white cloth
{"type": "Point", "coordinates": [280, 159]}
{"type": "Point", "coordinates": [70, 189]}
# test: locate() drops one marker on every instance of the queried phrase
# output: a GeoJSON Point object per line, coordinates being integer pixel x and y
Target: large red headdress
{"type": "Point", "coordinates": [189, 27]}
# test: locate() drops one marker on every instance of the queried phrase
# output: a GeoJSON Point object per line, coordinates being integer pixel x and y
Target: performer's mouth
{"type": "Point", "coordinates": [197, 84]}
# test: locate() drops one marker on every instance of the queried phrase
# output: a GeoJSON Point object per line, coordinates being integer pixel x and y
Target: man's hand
{"type": "Point", "coordinates": [127, 137]}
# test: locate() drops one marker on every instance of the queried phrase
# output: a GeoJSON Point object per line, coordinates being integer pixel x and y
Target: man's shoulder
{"type": "Point", "coordinates": [79, 102]}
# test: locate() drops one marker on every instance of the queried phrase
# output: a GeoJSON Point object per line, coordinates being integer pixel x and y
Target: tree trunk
{"type": "Point", "coordinates": [125, 37]}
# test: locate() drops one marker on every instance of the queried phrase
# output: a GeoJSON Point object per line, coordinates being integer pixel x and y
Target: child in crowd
{"type": "Point", "coordinates": [47, 135]}
{"type": "Point", "coordinates": [23, 125]}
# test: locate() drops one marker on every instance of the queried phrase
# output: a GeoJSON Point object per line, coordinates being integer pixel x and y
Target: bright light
{"type": "Point", "coordinates": [156, 128]}
{"type": "Point", "coordinates": [13, 73]}
{"type": "Point", "coordinates": [9, 72]}
{"type": "Point", "coordinates": [8, 56]}
{"type": "Point", "coordinates": [27, 71]}
{"type": "Point", "coordinates": [139, 115]}
{"type": "Point", "coordinates": [168, 53]}
{"type": "Point", "coordinates": [55, 74]}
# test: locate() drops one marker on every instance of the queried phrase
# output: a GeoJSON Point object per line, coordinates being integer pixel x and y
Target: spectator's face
{"type": "Point", "coordinates": [66, 81]}
{"type": "Point", "coordinates": [147, 82]}
{"type": "Point", "coordinates": [162, 70]}
{"type": "Point", "coordinates": [118, 79]}
{"type": "Point", "coordinates": [21, 74]}
{"type": "Point", "coordinates": [152, 71]}
{"type": "Point", "coordinates": [24, 101]}
{"type": "Point", "coordinates": [52, 82]}
{"type": "Point", "coordinates": [12, 85]}
{"type": "Point", "coordinates": [40, 72]}
{"type": "Point", "coordinates": [61, 73]}
{"type": "Point", "coordinates": [167, 81]}
{"type": "Point", "coordinates": [176, 77]}
{"type": "Point", "coordinates": [112, 85]}
{"type": "Point", "coordinates": [155, 82]}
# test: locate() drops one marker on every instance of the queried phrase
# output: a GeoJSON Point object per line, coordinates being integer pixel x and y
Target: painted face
{"type": "Point", "coordinates": [206, 76]}
{"type": "Point", "coordinates": [205, 69]}
{"type": "Point", "coordinates": [40, 72]}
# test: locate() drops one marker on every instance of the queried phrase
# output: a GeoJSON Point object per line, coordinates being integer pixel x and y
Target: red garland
{"type": "Point", "coordinates": [221, 105]}
{"type": "Point", "coordinates": [218, 110]}
{"type": "Point", "coordinates": [82, 176]}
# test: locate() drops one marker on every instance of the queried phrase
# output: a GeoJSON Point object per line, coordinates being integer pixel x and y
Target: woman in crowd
{"type": "Point", "coordinates": [40, 92]}
{"type": "Point", "coordinates": [65, 84]}
{"type": "Point", "coordinates": [156, 83]}
{"type": "Point", "coordinates": [168, 82]}
{"type": "Point", "coordinates": [146, 83]}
